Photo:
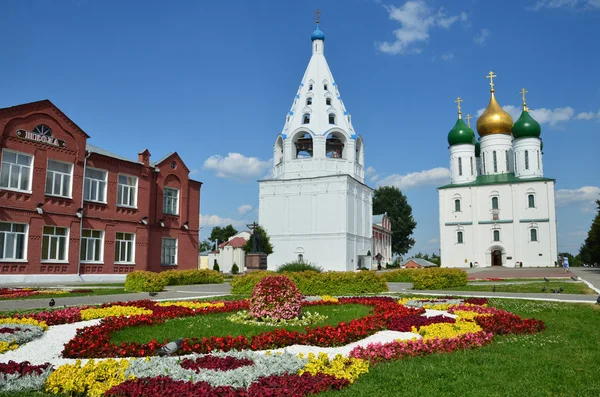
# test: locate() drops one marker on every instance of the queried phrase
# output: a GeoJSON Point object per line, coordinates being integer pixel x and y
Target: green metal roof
{"type": "Point", "coordinates": [497, 180]}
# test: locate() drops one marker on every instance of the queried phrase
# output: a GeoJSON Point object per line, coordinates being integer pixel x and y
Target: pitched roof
{"type": "Point", "coordinates": [163, 158]}
{"type": "Point", "coordinates": [103, 152]}
{"type": "Point", "coordinates": [420, 262]}
{"type": "Point", "coordinates": [237, 242]}
{"type": "Point", "coordinates": [497, 179]}
{"type": "Point", "coordinates": [378, 219]}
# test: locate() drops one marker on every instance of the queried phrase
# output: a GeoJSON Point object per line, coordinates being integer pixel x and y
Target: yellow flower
{"type": "Point", "coordinates": [328, 298]}
{"type": "Point", "coordinates": [113, 311]}
{"type": "Point", "coordinates": [27, 321]}
{"type": "Point", "coordinates": [92, 380]}
{"type": "Point", "coordinates": [5, 346]}
{"type": "Point", "coordinates": [447, 330]}
{"type": "Point", "coordinates": [340, 367]}
{"type": "Point", "coordinates": [467, 315]}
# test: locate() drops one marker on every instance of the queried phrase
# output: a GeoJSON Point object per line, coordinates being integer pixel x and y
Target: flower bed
{"type": "Point", "coordinates": [229, 366]}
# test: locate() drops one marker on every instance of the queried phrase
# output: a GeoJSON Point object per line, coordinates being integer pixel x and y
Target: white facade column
{"type": "Point", "coordinates": [462, 163]}
{"type": "Point", "coordinates": [528, 156]}
{"type": "Point", "coordinates": [496, 154]}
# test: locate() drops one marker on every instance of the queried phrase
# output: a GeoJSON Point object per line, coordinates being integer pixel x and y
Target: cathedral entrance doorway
{"type": "Point", "coordinates": [496, 258]}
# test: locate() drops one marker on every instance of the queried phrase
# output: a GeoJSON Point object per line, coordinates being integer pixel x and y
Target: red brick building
{"type": "Point", "coordinates": [70, 208]}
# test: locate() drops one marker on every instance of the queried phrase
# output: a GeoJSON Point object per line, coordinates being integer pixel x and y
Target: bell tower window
{"type": "Point", "coordinates": [304, 146]}
{"type": "Point", "coordinates": [328, 101]}
{"type": "Point", "coordinates": [325, 87]}
{"type": "Point", "coordinates": [309, 101]}
{"type": "Point", "coordinates": [310, 87]}
{"type": "Point", "coordinates": [331, 118]}
{"type": "Point", "coordinates": [306, 118]}
{"type": "Point", "coordinates": [334, 146]}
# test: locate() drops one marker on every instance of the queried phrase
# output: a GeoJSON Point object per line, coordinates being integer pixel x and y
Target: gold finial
{"type": "Point", "coordinates": [317, 15]}
{"type": "Point", "coordinates": [458, 100]}
{"type": "Point", "coordinates": [523, 92]}
{"type": "Point", "coordinates": [491, 76]}
{"type": "Point", "coordinates": [469, 117]}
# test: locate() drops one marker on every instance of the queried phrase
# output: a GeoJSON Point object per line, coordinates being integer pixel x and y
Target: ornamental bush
{"type": "Point", "coordinates": [313, 283]}
{"type": "Point", "coordinates": [276, 297]}
{"type": "Point", "coordinates": [235, 269]}
{"type": "Point", "coordinates": [400, 275]}
{"type": "Point", "coordinates": [189, 277]}
{"type": "Point", "coordinates": [298, 266]}
{"type": "Point", "coordinates": [438, 278]}
{"type": "Point", "coordinates": [143, 281]}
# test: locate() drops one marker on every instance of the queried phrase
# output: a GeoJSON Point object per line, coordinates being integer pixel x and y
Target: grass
{"type": "Point", "coordinates": [514, 280]}
{"type": "Point", "coordinates": [561, 361]}
{"type": "Point", "coordinates": [568, 288]}
{"type": "Point", "coordinates": [95, 292]}
{"type": "Point", "coordinates": [219, 325]}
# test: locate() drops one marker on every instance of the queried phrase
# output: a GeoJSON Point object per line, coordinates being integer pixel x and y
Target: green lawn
{"type": "Point", "coordinates": [97, 291]}
{"type": "Point", "coordinates": [219, 325]}
{"type": "Point", "coordinates": [568, 288]}
{"type": "Point", "coordinates": [517, 279]}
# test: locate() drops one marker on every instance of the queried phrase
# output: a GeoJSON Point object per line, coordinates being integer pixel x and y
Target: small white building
{"type": "Point", "coordinates": [316, 206]}
{"type": "Point", "coordinates": [499, 209]}
{"type": "Point", "coordinates": [230, 252]}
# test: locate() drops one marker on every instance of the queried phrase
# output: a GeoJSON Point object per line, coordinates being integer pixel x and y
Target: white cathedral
{"type": "Point", "coordinates": [316, 206]}
{"type": "Point", "coordinates": [499, 209]}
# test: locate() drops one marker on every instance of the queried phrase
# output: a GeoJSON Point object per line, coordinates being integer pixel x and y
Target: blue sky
{"type": "Point", "coordinates": [214, 80]}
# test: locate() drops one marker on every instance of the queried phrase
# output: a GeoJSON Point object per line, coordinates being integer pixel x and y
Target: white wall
{"type": "Point", "coordinates": [515, 220]}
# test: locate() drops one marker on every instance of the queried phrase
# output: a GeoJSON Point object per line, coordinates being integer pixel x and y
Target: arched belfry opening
{"type": "Point", "coordinates": [279, 150]}
{"type": "Point", "coordinates": [304, 145]}
{"type": "Point", "coordinates": [334, 146]}
{"type": "Point", "coordinates": [360, 156]}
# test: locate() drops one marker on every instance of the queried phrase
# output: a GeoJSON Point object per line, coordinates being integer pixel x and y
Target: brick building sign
{"type": "Point", "coordinates": [42, 134]}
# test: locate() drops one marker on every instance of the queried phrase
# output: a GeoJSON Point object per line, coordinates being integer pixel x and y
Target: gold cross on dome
{"type": "Point", "coordinates": [317, 14]}
{"type": "Point", "coordinates": [523, 92]}
{"type": "Point", "coordinates": [458, 100]}
{"type": "Point", "coordinates": [469, 117]}
{"type": "Point", "coordinates": [491, 76]}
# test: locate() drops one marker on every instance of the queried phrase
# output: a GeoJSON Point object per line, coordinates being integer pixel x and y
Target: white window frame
{"type": "Point", "coordinates": [537, 235]}
{"type": "Point", "coordinates": [163, 254]}
{"type": "Point", "coordinates": [499, 236]}
{"type": "Point", "coordinates": [534, 200]}
{"type": "Point", "coordinates": [462, 234]}
{"type": "Point", "coordinates": [15, 234]}
{"type": "Point", "coordinates": [61, 175]}
{"type": "Point", "coordinates": [20, 166]}
{"type": "Point", "coordinates": [85, 243]}
{"type": "Point", "coordinates": [87, 185]}
{"type": "Point", "coordinates": [58, 239]}
{"type": "Point", "coordinates": [135, 193]}
{"type": "Point", "coordinates": [454, 200]}
{"type": "Point", "coordinates": [124, 243]}
{"type": "Point", "coordinates": [170, 198]}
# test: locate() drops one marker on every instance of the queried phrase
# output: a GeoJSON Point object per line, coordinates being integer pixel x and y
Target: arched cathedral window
{"type": "Point", "coordinates": [526, 159]}
{"type": "Point", "coordinates": [304, 146]}
{"type": "Point", "coordinates": [494, 203]}
{"type": "Point", "coordinates": [459, 238]}
{"type": "Point", "coordinates": [495, 161]}
{"type": "Point", "coordinates": [334, 146]}
{"type": "Point", "coordinates": [459, 166]}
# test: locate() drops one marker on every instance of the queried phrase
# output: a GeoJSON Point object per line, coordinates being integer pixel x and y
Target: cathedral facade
{"type": "Point", "coordinates": [316, 207]}
{"type": "Point", "coordinates": [499, 209]}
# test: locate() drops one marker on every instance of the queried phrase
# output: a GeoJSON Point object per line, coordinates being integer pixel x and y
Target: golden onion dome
{"type": "Point", "coordinates": [494, 120]}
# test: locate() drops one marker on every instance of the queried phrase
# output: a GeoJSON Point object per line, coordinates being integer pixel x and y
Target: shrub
{"type": "Point", "coordinates": [143, 281]}
{"type": "Point", "coordinates": [192, 276]}
{"type": "Point", "coordinates": [400, 276]}
{"type": "Point", "coordinates": [276, 297]}
{"type": "Point", "coordinates": [439, 278]}
{"type": "Point", "coordinates": [299, 266]}
{"type": "Point", "coordinates": [216, 266]}
{"type": "Point", "coordinates": [313, 283]}
{"type": "Point", "coordinates": [235, 269]}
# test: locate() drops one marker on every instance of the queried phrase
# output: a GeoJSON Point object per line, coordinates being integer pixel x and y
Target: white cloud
{"type": "Point", "coordinates": [448, 56]}
{"type": "Point", "coordinates": [585, 197]}
{"type": "Point", "coordinates": [194, 171]}
{"type": "Point", "coordinates": [542, 115]}
{"type": "Point", "coordinates": [481, 37]}
{"type": "Point", "coordinates": [587, 115]}
{"type": "Point", "coordinates": [572, 4]}
{"type": "Point", "coordinates": [433, 241]}
{"type": "Point", "coordinates": [432, 177]}
{"type": "Point", "coordinates": [416, 20]}
{"type": "Point", "coordinates": [372, 174]}
{"type": "Point", "coordinates": [242, 209]}
{"type": "Point", "coordinates": [215, 220]}
{"type": "Point", "coordinates": [236, 166]}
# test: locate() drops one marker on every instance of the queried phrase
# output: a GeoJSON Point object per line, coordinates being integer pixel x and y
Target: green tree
{"type": "Point", "coordinates": [265, 242]}
{"type": "Point", "coordinates": [391, 200]}
{"type": "Point", "coordinates": [589, 252]}
{"type": "Point", "coordinates": [222, 233]}
{"type": "Point", "coordinates": [205, 245]}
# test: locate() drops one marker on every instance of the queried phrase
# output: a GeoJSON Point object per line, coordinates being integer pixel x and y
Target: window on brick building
{"type": "Point", "coordinates": [127, 191]}
{"type": "Point", "coordinates": [94, 186]}
{"type": "Point", "coordinates": [55, 243]}
{"type": "Point", "coordinates": [171, 201]}
{"type": "Point", "coordinates": [91, 246]}
{"type": "Point", "coordinates": [58, 178]}
{"type": "Point", "coordinates": [124, 247]}
{"type": "Point", "coordinates": [16, 171]}
{"type": "Point", "coordinates": [169, 251]}
{"type": "Point", "coordinates": [13, 237]}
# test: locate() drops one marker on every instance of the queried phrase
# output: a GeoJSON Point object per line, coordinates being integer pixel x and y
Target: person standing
{"type": "Point", "coordinates": [566, 264]}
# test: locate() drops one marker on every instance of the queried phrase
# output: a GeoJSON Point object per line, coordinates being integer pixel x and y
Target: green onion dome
{"type": "Point", "coordinates": [460, 134]}
{"type": "Point", "coordinates": [477, 146]}
{"type": "Point", "coordinates": [526, 127]}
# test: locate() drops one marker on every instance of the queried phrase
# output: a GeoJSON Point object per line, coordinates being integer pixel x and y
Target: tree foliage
{"type": "Point", "coordinates": [265, 242]}
{"type": "Point", "coordinates": [222, 233]}
{"type": "Point", "coordinates": [589, 252]}
{"type": "Point", "coordinates": [391, 200]}
{"type": "Point", "coordinates": [205, 245]}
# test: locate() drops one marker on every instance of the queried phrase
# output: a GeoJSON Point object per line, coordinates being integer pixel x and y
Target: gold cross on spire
{"type": "Point", "coordinates": [491, 76]}
{"type": "Point", "coordinates": [523, 92]}
{"type": "Point", "coordinates": [317, 15]}
{"type": "Point", "coordinates": [469, 117]}
{"type": "Point", "coordinates": [458, 100]}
